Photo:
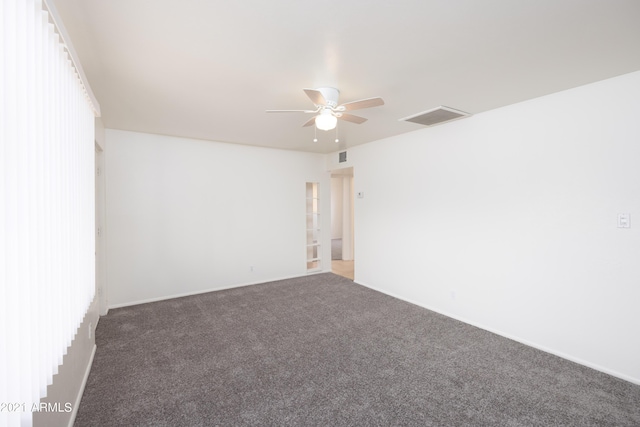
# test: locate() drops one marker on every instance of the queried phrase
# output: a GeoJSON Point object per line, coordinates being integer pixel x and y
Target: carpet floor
{"type": "Point", "coordinates": [323, 351]}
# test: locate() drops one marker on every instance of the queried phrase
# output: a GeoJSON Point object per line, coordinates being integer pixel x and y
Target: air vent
{"type": "Point", "coordinates": [436, 116]}
{"type": "Point", "coordinates": [342, 157]}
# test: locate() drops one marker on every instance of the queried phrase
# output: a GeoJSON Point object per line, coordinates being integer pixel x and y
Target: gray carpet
{"type": "Point", "coordinates": [324, 351]}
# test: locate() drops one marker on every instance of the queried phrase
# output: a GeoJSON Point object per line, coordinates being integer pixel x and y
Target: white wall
{"type": "Point", "coordinates": [507, 220]}
{"type": "Point", "coordinates": [187, 216]}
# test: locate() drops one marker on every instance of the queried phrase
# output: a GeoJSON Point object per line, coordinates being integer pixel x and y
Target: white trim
{"type": "Point", "coordinates": [75, 60]}
{"type": "Point", "coordinates": [512, 337]}
{"type": "Point", "coordinates": [76, 405]}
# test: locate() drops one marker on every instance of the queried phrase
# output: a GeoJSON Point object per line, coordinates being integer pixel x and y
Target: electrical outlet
{"type": "Point", "coordinates": [90, 330]}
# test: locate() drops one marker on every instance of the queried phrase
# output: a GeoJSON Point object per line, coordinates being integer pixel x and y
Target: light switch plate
{"type": "Point", "coordinates": [624, 220]}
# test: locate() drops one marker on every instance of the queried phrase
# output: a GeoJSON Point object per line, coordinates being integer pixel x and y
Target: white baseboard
{"type": "Point", "coordinates": [512, 337]}
{"type": "Point", "coordinates": [204, 291]}
{"type": "Point", "coordinates": [76, 405]}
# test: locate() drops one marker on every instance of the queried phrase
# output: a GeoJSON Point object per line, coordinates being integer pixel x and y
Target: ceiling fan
{"type": "Point", "coordinates": [328, 111]}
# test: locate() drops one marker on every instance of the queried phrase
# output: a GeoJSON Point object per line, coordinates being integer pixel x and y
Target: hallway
{"type": "Point", "coordinates": [342, 268]}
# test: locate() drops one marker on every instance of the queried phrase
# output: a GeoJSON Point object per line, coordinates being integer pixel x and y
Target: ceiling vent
{"type": "Point", "coordinates": [436, 116]}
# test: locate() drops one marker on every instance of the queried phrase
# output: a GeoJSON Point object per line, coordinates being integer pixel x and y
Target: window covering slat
{"type": "Point", "coordinates": [47, 220]}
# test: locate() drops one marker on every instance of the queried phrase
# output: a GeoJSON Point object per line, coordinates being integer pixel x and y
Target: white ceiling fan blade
{"type": "Point", "coordinates": [315, 96]}
{"type": "Point", "coordinates": [292, 111]}
{"type": "Point", "coordinates": [363, 103]}
{"type": "Point", "coordinates": [351, 118]}
{"type": "Point", "coordinates": [310, 122]}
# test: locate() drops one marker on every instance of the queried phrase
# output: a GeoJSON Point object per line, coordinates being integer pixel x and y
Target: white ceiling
{"type": "Point", "coordinates": [209, 69]}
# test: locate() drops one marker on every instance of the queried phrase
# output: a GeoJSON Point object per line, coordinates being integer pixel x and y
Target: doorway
{"type": "Point", "coordinates": [342, 248]}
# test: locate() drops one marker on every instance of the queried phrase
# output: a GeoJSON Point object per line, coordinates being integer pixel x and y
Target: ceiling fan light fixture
{"type": "Point", "coordinates": [326, 120]}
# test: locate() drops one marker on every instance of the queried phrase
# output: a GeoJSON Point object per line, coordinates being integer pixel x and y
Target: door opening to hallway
{"type": "Point", "coordinates": [342, 250]}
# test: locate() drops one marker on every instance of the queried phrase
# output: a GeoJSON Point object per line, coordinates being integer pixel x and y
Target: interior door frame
{"type": "Point", "coordinates": [347, 217]}
{"type": "Point", "coordinates": [101, 288]}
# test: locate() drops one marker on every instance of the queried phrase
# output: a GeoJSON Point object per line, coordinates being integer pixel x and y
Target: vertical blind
{"type": "Point", "coordinates": [47, 262]}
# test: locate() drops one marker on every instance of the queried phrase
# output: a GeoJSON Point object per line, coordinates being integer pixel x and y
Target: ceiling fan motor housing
{"type": "Point", "coordinates": [330, 95]}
